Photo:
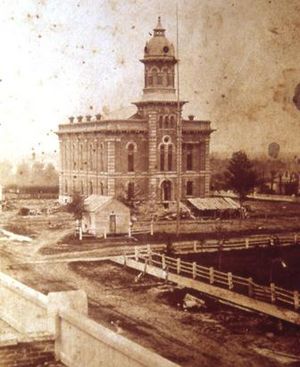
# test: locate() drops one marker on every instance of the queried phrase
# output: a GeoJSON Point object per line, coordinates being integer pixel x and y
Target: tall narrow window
{"type": "Point", "coordinates": [172, 122]}
{"type": "Point", "coordinates": [91, 188]}
{"type": "Point", "coordinates": [130, 191]}
{"type": "Point", "coordinates": [91, 158]}
{"type": "Point", "coordinates": [81, 188]}
{"type": "Point", "coordinates": [101, 158]}
{"type": "Point", "coordinates": [80, 157]}
{"type": "Point", "coordinates": [66, 187]}
{"type": "Point", "coordinates": [162, 157]}
{"type": "Point", "coordinates": [189, 188]}
{"type": "Point", "coordinates": [154, 74]}
{"type": "Point", "coordinates": [189, 157]}
{"type": "Point", "coordinates": [160, 122]}
{"type": "Point", "coordinates": [202, 156]}
{"type": "Point", "coordinates": [166, 122]}
{"type": "Point", "coordinates": [166, 191]}
{"type": "Point", "coordinates": [101, 188]}
{"type": "Point", "coordinates": [130, 151]}
{"type": "Point", "coordinates": [170, 157]}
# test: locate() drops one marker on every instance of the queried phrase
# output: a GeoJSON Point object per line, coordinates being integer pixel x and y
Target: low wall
{"type": "Point", "coordinates": [22, 307]}
{"type": "Point", "coordinates": [83, 342]}
{"type": "Point", "coordinates": [79, 341]}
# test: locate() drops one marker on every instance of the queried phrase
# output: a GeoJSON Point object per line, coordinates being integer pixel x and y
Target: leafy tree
{"type": "Point", "coordinates": [76, 206]}
{"type": "Point", "coordinates": [240, 175]}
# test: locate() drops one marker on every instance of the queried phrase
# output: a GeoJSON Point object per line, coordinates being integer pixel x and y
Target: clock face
{"type": "Point", "coordinates": [166, 49]}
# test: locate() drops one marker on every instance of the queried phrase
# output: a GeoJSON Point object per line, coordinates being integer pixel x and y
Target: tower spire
{"type": "Point", "coordinates": [159, 30]}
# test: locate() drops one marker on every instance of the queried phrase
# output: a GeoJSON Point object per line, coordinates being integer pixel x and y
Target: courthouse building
{"type": "Point", "coordinates": [136, 158]}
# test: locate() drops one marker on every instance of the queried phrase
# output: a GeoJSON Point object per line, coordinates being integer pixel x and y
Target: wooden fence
{"type": "Point", "coordinates": [246, 286]}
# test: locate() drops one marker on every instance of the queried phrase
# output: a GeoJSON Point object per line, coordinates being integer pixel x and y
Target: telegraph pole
{"type": "Point", "coordinates": [179, 134]}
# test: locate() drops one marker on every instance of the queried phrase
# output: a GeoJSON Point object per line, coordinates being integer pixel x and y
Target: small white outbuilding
{"type": "Point", "coordinates": [104, 215]}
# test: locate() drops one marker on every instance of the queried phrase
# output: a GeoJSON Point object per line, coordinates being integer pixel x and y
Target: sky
{"type": "Point", "coordinates": [239, 67]}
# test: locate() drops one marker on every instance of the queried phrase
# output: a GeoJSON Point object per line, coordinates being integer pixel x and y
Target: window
{"type": "Point", "coordinates": [91, 188]}
{"type": "Point", "coordinates": [130, 191]}
{"type": "Point", "coordinates": [130, 150]}
{"type": "Point", "coordinates": [166, 122]}
{"type": "Point", "coordinates": [189, 157]}
{"type": "Point", "coordinates": [202, 156]}
{"type": "Point", "coordinates": [189, 188]}
{"type": "Point", "coordinates": [91, 158]}
{"type": "Point", "coordinates": [101, 188]}
{"type": "Point", "coordinates": [162, 157]}
{"type": "Point", "coordinates": [170, 79]}
{"type": "Point", "coordinates": [172, 121]}
{"type": "Point", "coordinates": [170, 157]}
{"type": "Point", "coordinates": [160, 122]}
{"type": "Point", "coordinates": [66, 187]}
{"type": "Point", "coordinates": [81, 188]}
{"type": "Point", "coordinates": [81, 157]}
{"type": "Point", "coordinates": [101, 158]}
{"type": "Point", "coordinates": [166, 191]}
{"type": "Point", "coordinates": [159, 80]}
{"type": "Point", "coordinates": [154, 74]}
{"type": "Point", "coordinates": [150, 80]}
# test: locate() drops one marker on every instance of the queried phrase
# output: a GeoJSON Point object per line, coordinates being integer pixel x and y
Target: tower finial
{"type": "Point", "coordinates": [159, 29]}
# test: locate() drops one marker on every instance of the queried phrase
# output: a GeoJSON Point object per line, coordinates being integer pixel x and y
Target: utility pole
{"type": "Point", "coordinates": [179, 134]}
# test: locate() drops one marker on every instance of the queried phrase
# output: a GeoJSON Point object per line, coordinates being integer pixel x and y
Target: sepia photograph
{"type": "Point", "coordinates": [150, 183]}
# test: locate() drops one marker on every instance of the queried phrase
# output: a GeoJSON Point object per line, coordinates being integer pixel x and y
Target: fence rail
{"type": "Point", "coordinates": [246, 286]}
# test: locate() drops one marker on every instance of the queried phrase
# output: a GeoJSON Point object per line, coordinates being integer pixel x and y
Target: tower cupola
{"type": "Point", "coordinates": [159, 60]}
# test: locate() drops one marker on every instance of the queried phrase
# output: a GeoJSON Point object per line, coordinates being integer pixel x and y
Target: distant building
{"type": "Point", "coordinates": [136, 158]}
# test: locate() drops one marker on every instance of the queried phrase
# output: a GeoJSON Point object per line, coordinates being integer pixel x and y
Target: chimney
{"type": "Point", "coordinates": [79, 118]}
{"type": "Point", "coordinates": [71, 119]}
{"type": "Point", "coordinates": [191, 117]}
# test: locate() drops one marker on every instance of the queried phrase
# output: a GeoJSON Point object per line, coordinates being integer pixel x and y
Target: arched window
{"type": "Point", "coordinates": [170, 78]}
{"type": "Point", "coordinates": [189, 188]}
{"type": "Point", "coordinates": [130, 191]}
{"type": "Point", "coordinates": [165, 77]}
{"type": "Point", "coordinates": [154, 75]}
{"type": "Point", "coordinates": [91, 158]}
{"type": "Point", "coordinates": [101, 188]}
{"type": "Point", "coordinates": [80, 157]}
{"type": "Point", "coordinates": [66, 187]}
{"type": "Point", "coordinates": [81, 188]}
{"type": "Point", "coordinates": [170, 157]}
{"type": "Point", "coordinates": [91, 188]}
{"type": "Point", "coordinates": [189, 157]}
{"type": "Point", "coordinates": [130, 154]}
{"type": "Point", "coordinates": [172, 121]}
{"type": "Point", "coordinates": [166, 122]}
{"type": "Point", "coordinates": [166, 190]}
{"type": "Point", "coordinates": [101, 158]}
{"type": "Point", "coordinates": [160, 122]}
{"type": "Point", "coordinates": [162, 157]}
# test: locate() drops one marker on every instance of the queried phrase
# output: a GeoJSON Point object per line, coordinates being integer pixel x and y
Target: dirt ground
{"type": "Point", "coordinates": [150, 312]}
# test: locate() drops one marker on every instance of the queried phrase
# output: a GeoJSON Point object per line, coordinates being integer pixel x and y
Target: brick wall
{"type": "Point", "coordinates": [28, 354]}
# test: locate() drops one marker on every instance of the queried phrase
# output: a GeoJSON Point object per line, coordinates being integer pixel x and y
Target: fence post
{"type": "Point", "coordinates": [247, 242]}
{"type": "Point", "coordinates": [178, 265]}
{"type": "Point", "coordinates": [250, 287]}
{"type": "Point", "coordinates": [104, 233]}
{"type": "Point", "coordinates": [296, 300]}
{"type": "Point", "coordinates": [230, 283]}
{"type": "Point", "coordinates": [151, 228]}
{"type": "Point", "coordinates": [211, 275]}
{"type": "Point", "coordinates": [273, 292]}
{"type": "Point", "coordinates": [195, 246]}
{"type": "Point", "coordinates": [194, 269]}
{"type": "Point", "coordinates": [163, 261]}
{"type": "Point", "coordinates": [129, 231]}
{"type": "Point", "coordinates": [295, 238]}
{"type": "Point", "coordinates": [136, 253]}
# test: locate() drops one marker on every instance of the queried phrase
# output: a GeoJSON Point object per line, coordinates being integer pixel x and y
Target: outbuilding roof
{"type": "Point", "coordinates": [214, 203]}
{"type": "Point", "coordinates": [95, 202]}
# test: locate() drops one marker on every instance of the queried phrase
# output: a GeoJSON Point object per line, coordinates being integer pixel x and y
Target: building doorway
{"type": "Point", "coordinates": [166, 190]}
{"type": "Point", "coordinates": [112, 223]}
